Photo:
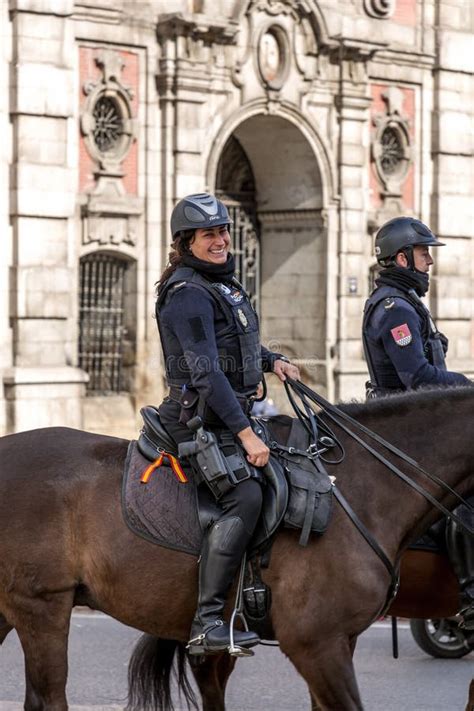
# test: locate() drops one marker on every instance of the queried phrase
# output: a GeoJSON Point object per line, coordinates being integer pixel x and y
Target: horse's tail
{"type": "Point", "coordinates": [153, 664]}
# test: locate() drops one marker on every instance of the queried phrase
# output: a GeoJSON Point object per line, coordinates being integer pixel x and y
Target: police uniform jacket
{"type": "Point", "coordinates": [210, 338]}
{"type": "Point", "coordinates": [403, 348]}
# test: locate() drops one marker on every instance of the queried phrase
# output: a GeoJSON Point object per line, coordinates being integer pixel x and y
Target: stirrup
{"type": "Point", "coordinates": [236, 650]}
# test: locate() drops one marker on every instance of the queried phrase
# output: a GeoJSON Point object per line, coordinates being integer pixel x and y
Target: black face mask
{"type": "Point", "coordinates": [217, 272]}
{"type": "Point", "coordinates": [404, 279]}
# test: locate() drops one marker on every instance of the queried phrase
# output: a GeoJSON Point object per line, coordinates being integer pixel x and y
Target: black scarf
{"type": "Point", "coordinates": [404, 279]}
{"type": "Point", "coordinates": [216, 272]}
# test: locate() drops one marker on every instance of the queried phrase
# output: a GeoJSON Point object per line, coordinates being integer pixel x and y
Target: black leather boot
{"type": "Point", "coordinates": [461, 554]}
{"type": "Point", "coordinates": [221, 556]}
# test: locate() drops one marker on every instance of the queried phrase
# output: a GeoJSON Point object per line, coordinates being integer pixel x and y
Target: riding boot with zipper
{"type": "Point", "coordinates": [222, 553]}
{"type": "Point", "coordinates": [461, 554]}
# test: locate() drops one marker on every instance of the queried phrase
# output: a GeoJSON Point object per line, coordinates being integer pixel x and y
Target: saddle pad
{"type": "Point", "coordinates": [164, 510]}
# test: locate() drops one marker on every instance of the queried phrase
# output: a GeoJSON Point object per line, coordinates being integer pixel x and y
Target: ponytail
{"type": "Point", "coordinates": [179, 247]}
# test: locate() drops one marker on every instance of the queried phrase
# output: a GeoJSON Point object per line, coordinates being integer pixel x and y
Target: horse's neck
{"type": "Point", "coordinates": [441, 446]}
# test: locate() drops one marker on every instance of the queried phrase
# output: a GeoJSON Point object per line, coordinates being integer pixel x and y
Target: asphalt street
{"type": "Point", "coordinates": [100, 648]}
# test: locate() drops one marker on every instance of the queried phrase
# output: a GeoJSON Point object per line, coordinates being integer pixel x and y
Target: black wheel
{"type": "Point", "coordinates": [441, 638]}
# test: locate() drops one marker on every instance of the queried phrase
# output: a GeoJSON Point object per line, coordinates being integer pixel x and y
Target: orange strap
{"type": "Point", "coordinates": [175, 466]}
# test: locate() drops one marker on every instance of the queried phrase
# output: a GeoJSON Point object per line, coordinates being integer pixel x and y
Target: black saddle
{"type": "Point", "coordinates": [153, 436]}
{"type": "Point", "coordinates": [154, 439]}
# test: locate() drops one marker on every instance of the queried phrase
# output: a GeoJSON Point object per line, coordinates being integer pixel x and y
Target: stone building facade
{"type": "Point", "coordinates": [315, 121]}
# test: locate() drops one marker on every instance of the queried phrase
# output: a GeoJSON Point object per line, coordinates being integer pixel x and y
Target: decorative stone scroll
{"type": "Point", "coordinates": [381, 9]}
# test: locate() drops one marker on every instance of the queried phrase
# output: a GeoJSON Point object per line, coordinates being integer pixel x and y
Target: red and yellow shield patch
{"type": "Point", "coordinates": [401, 335]}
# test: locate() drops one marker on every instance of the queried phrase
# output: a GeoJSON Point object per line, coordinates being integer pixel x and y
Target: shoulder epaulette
{"type": "Point", "coordinates": [389, 303]}
{"type": "Point", "coordinates": [177, 286]}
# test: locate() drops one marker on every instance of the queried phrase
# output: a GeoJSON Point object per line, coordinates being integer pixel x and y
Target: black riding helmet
{"type": "Point", "coordinates": [400, 235]}
{"type": "Point", "coordinates": [197, 211]}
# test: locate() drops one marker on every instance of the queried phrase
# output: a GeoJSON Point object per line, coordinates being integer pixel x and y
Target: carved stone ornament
{"type": "Point", "coordinates": [107, 124]}
{"type": "Point", "coordinates": [381, 9]}
{"type": "Point", "coordinates": [110, 217]}
{"type": "Point", "coordinates": [273, 50]}
{"type": "Point", "coordinates": [391, 146]}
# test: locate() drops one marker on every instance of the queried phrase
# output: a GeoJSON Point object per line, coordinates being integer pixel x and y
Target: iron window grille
{"type": "Point", "coordinates": [101, 322]}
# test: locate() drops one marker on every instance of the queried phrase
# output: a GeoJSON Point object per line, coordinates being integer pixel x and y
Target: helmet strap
{"type": "Point", "coordinates": [408, 252]}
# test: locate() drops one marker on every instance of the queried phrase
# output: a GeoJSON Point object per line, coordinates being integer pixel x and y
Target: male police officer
{"type": "Point", "coordinates": [404, 350]}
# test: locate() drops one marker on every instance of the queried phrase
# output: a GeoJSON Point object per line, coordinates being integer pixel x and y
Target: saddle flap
{"type": "Point", "coordinates": [154, 431]}
{"type": "Point", "coordinates": [275, 502]}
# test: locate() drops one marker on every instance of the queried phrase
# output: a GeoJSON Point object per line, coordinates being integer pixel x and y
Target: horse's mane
{"type": "Point", "coordinates": [406, 402]}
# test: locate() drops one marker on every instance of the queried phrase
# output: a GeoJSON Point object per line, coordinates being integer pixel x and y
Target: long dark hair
{"type": "Point", "coordinates": [179, 247]}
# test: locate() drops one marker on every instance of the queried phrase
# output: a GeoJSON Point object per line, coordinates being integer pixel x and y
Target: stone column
{"type": "Point", "coordinates": [43, 387]}
{"type": "Point", "coordinates": [353, 102]}
{"type": "Point", "coordinates": [452, 213]}
{"type": "Point", "coordinates": [5, 228]}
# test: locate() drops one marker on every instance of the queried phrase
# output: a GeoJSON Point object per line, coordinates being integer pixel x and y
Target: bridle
{"type": "Point", "coordinates": [313, 422]}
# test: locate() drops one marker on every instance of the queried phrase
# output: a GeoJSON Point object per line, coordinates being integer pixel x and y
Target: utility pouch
{"type": "Point", "coordinates": [221, 470]}
{"type": "Point", "coordinates": [310, 499]}
{"type": "Point", "coordinates": [310, 488]}
{"type": "Point", "coordinates": [234, 454]}
{"type": "Point", "coordinates": [188, 402]}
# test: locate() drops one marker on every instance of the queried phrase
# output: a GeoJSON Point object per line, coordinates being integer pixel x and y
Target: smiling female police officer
{"type": "Point", "coordinates": [404, 350]}
{"type": "Point", "coordinates": [214, 361]}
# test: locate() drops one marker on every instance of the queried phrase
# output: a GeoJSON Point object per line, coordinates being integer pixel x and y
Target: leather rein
{"type": "Point", "coordinates": [313, 421]}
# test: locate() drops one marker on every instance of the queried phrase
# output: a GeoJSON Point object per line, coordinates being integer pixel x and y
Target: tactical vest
{"type": "Point", "coordinates": [238, 341]}
{"type": "Point", "coordinates": [432, 344]}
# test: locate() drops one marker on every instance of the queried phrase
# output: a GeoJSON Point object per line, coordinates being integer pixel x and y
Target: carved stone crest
{"type": "Point", "coordinates": [107, 124]}
{"type": "Point", "coordinates": [273, 49]}
{"type": "Point", "coordinates": [391, 145]}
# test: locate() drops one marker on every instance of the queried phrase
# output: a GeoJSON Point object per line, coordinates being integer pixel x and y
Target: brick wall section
{"type": "Point", "coordinates": [90, 72]}
{"type": "Point", "coordinates": [405, 12]}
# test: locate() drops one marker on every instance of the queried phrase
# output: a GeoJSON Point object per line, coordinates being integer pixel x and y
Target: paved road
{"type": "Point", "coordinates": [100, 648]}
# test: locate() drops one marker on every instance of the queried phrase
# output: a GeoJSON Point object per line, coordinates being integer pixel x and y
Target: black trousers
{"type": "Point", "coordinates": [243, 500]}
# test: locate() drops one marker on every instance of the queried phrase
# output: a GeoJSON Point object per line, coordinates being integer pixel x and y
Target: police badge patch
{"type": "Point", "coordinates": [401, 335]}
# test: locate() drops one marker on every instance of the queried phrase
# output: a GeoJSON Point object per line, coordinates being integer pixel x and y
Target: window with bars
{"type": "Point", "coordinates": [105, 340]}
{"type": "Point", "coordinates": [235, 186]}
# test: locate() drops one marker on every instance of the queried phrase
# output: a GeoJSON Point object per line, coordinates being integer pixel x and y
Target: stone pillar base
{"type": "Point", "coordinates": [43, 397]}
{"type": "Point", "coordinates": [114, 415]}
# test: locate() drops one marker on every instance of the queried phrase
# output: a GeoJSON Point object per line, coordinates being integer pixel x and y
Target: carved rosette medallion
{"type": "Point", "coordinates": [107, 124]}
{"type": "Point", "coordinates": [391, 146]}
{"type": "Point", "coordinates": [110, 215]}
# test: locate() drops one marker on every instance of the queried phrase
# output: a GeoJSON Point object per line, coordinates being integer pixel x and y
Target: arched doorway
{"type": "Point", "coordinates": [235, 186]}
{"type": "Point", "coordinates": [269, 165]}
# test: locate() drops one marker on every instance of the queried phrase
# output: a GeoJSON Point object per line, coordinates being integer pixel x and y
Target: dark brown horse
{"type": "Point", "coordinates": [428, 587]}
{"type": "Point", "coordinates": [63, 541]}
{"type": "Point", "coordinates": [428, 590]}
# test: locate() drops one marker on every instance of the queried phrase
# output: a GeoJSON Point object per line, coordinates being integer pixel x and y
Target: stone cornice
{"type": "Point", "coordinates": [99, 14]}
{"type": "Point", "coordinates": [355, 49]}
{"type": "Point", "coordinates": [410, 58]}
{"type": "Point", "coordinates": [198, 26]}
